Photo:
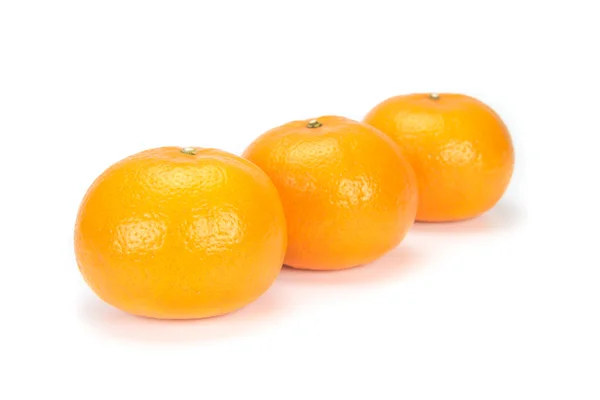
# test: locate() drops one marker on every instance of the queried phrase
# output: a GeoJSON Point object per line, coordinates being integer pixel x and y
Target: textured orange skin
{"type": "Point", "coordinates": [460, 150]}
{"type": "Point", "coordinates": [348, 193]}
{"type": "Point", "coordinates": [169, 235]}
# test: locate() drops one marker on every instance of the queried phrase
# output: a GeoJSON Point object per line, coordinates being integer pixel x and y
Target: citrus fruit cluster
{"type": "Point", "coordinates": [181, 233]}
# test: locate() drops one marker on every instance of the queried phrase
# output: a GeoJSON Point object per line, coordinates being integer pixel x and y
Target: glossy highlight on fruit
{"type": "Point", "coordinates": [348, 193]}
{"type": "Point", "coordinates": [180, 233]}
{"type": "Point", "coordinates": [460, 149]}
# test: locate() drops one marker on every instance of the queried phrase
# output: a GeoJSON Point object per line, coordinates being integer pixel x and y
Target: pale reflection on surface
{"type": "Point", "coordinates": [505, 216]}
{"type": "Point", "coordinates": [394, 265]}
{"type": "Point", "coordinates": [106, 320]}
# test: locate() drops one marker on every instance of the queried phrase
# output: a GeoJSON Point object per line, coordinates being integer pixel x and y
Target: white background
{"type": "Point", "coordinates": [502, 307]}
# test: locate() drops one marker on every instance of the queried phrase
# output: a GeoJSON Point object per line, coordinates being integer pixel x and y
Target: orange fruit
{"type": "Point", "coordinates": [348, 193]}
{"type": "Point", "coordinates": [180, 233]}
{"type": "Point", "coordinates": [460, 149]}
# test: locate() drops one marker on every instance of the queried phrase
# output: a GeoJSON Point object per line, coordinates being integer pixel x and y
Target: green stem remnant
{"type": "Point", "coordinates": [190, 151]}
{"type": "Point", "coordinates": [314, 124]}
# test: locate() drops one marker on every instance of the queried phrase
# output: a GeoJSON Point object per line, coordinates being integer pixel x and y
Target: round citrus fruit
{"type": "Point", "coordinates": [348, 193]}
{"type": "Point", "coordinates": [180, 233]}
{"type": "Point", "coordinates": [460, 150]}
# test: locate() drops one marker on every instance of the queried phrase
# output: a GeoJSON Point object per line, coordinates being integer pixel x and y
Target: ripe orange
{"type": "Point", "coordinates": [460, 149]}
{"type": "Point", "coordinates": [348, 193]}
{"type": "Point", "coordinates": [180, 233]}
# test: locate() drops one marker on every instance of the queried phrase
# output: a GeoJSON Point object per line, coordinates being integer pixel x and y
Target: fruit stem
{"type": "Point", "coordinates": [313, 123]}
{"type": "Point", "coordinates": [190, 151]}
{"type": "Point", "coordinates": [434, 96]}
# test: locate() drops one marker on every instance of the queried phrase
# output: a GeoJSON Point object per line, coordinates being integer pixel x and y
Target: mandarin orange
{"type": "Point", "coordinates": [460, 149]}
{"type": "Point", "coordinates": [348, 193]}
{"type": "Point", "coordinates": [180, 233]}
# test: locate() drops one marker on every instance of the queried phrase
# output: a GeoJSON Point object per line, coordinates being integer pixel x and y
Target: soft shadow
{"type": "Point", "coordinates": [504, 216]}
{"type": "Point", "coordinates": [394, 265]}
{"type": "Point", "coordinates": [263, 313]}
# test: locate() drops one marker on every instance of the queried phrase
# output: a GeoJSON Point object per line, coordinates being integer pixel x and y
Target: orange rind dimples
{"type": "Point", "coordinates": [348, 193]}
{"type": "Point", "coordinates": [177, 234]}
{"type": "Point", "coordinates": [460, 149]}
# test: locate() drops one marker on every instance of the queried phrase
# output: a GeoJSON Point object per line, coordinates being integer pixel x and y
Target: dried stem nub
{"type": "Point", "coordinates": [190, 151]}
{"type": "Point", "coordinates": [313, 123]}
